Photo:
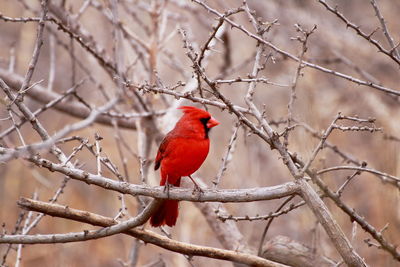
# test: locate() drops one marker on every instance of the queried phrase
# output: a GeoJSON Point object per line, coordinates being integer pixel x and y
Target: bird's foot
{"type": "Point", "coordinates": [166, 188]}
{"type": "Point", "coordinates": [196, 186]}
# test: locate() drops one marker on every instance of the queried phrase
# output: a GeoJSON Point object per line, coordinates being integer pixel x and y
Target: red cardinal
{"type": "Point", "coordinates": [181, 153]}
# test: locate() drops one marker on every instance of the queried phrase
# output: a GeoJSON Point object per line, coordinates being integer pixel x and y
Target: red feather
{"type": "Point", "coordinates": [181, 153]}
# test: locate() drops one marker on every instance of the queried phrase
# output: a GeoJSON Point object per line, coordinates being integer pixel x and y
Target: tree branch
{"type": "Point", "coordinates": [144, 235]}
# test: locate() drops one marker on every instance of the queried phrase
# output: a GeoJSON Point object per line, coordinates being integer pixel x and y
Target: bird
{"type": "Point", "coordinates": [181, 153]}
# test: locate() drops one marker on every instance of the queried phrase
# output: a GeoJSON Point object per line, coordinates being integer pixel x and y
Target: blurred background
{"type": "Point", "coordinates": [149, 40]}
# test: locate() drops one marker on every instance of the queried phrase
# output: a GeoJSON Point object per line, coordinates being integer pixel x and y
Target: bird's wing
{"type": "Point", "coordinates": [161, 152]}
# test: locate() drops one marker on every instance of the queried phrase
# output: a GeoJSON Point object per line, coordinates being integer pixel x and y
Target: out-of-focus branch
{"type": "Point", "coordinates": [283, 249]}
{"type": "Point", "coordinates": [227, 156]}
{"type": "Point", "coordinates": [385, 177]}
{"type": "Point", "coordinates": [393, 47]}
{"type": "Point", "coordinates": [86, 40]}
{"type": "Point", "coordinates": [38, 44]}
{"type": "Point", "coordinates": [50, 141]}
{"type": "Point", "coordinates": [72, 108]}
{"type": "Point", "coordinates": [187, 95]}
{"type": "Point", "coordinates": [82, 36]}
{"type": "Point", "coordinates": [377, 235]}
{"type": "Point", "coordinates": [227, 233]}
{"type": "Point", "coordinates": [306, 63]}
{"type": "Point", "coordinates": [29, 116]}
{"type": "Point", "coordinates": [364, 35]}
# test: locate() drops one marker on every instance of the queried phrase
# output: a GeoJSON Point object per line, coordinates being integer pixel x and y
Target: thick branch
{"type": "Point", "coordinates": [146, 236]}
{"type": "Point", "coordinates": [228, 195]}
{"type": "Point", "coordinates": [333, 230]}
{"type": "Point", "coordinates": [283, 249]}
{"type": "Point", "coordinates": [111, 229]}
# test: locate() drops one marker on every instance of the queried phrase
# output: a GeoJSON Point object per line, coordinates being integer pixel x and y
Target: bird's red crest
{"type": "Point", "coordinates": [193, 110]}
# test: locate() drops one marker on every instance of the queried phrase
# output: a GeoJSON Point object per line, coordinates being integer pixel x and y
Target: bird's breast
{"type": "Point", "coordinates": [185, 156]}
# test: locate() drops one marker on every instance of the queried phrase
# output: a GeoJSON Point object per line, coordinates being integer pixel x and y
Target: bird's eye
{"type": "Point", "coordinates": [205, 120]}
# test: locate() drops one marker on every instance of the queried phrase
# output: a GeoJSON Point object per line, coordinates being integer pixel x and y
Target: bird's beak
{"type": "Point", "coordinates": [212, 122]}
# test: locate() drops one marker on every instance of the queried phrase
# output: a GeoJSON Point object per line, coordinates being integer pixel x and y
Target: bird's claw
{"type": "Point", "coordinates": [166, 188]}
{"type": "Point", "coordinates": [197, 188]}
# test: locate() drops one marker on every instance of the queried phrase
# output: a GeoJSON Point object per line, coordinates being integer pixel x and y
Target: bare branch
{"type": "Point", "coordinates": [71, 108]}
{"type": "Point", "coordinates": [145, 235]}
{"type": "Point", "coordinates": [367, 37]}
{"type": "Point", "coordinates": [306, 63]}
{"type": "Point", "coordinates": [86, 234]}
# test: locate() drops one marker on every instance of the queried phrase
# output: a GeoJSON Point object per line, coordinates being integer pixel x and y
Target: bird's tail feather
{"type": "Point", "coordinates": [167, 213]}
